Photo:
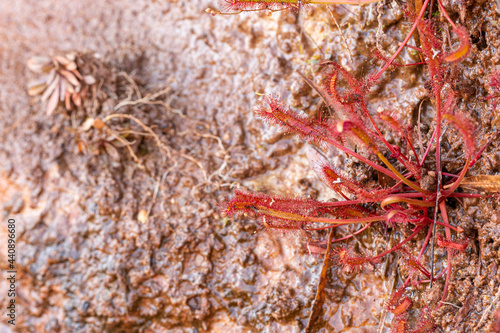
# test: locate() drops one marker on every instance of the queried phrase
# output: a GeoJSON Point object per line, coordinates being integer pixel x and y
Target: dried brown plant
{"type": "Point", "coordinates": [61, 82]}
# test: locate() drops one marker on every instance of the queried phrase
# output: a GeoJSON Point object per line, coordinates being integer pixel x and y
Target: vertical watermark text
{"type": "Point", "coordinates": [11, 273]}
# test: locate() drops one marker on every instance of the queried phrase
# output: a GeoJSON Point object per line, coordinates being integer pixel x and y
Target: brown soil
{"type": "Point", "coordinates": [87, 264]}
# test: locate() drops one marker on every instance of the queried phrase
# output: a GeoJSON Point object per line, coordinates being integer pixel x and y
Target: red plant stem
{"type": "Point", "coordinates": [350, 126]}
{"type": "Point", "coordinates": [413, 48]}
{"type": "Point", "coordinates": [381, 137]}
{"type": "Point", "coordinates": [343, 195]}
{"type": "Point", "coordinates": [419, 130]}
{"type": "Point", "coordinates": [412, 148]}
{"type": "Point", "coordinates": [422, 251]}
{"type": "Point", "coordinates": [437, 133]}
{"type": "Point", "coordinates": [413, 202]}
{"type": "Point", "coordinates": [444, 214]}
{"type": "Point", "coordinates": [441, 223]}
{"type": "Point", "coordinates": [407, 281]}
{"type": "Point", "coordinates": [436, 278]}
{"type": "Point", "coordinates": [449, 174]}
{"type": "Point", "coordinates": [408, 140]}
{"type": "Point", "coordinates": [459, 179]}
{"type": "Point", "coordinates": [400, 244]}
{"type": "Point", "coordinates": [395, 187]}
{"type": "Point", "coordinates": [408, 195]}
{"type": "Point", "coordinates": [426, 241]}
{"type": "Point", "coordinates": [348, 236]}
{"type": "Point", "coordinates": [410, 34]}
{"type": "Point", "coordinates": [423, 270]}
{"type": "Point", "coordinates": [428, 148]}
{"type": "Point", "coordinates": [346, 221]}
{"type": "Point", "coordinates": [430, 9]}
{"type": "Point", "coordinates": [441, 8]}
{"type": "Point", "coordinates": [415, 64]}
{"type": "Point", "coordinates": [399, 175]}
{"type": "Point", "coordinates": [447, 225]}
{"type": "Point", "coordinates": [361, 158]}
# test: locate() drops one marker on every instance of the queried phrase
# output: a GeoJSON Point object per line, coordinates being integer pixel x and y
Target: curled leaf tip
{"type": "Point", "coordinates": [463, 51]}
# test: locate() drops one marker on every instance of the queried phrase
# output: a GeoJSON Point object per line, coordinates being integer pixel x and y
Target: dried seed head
{"type": "Point", "coordinates": [62, 82]}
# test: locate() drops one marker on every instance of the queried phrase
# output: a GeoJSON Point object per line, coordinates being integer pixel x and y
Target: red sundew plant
{"type": "Point", "coordinates": [411, 202]}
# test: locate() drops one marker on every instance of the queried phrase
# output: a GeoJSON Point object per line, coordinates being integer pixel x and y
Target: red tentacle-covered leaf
{"type": "Point", "coordinates": [396, 300]}
{"type": "Point", "coordinates": [463, 50]}
{"type": "Point", "coordinates": [427, 32]}
{"type": "Point", "coordinates": [413, 263]}
{"type": "Point", "coordinates": [425, 322]}
{"type": "Point", "coordinates": [359, 132]}
{"type": "Point", "coordinates": [403, 307]}
{"type": "Point", "coordinates": [400, 324]}
{"type": "Point", "coordinates": [331, 176]}
{"type": "Point", "coordinates": [351, 261]}
{"type": "Point", "coordinates": [277, 113]}
{"type": "Point", "coordinates": [341, 184]}
{"type": "Point", "coordinates": [449, 102]}
{"type": "Point", "coordinates": [394, 123]}
{"type": "Point", "coordinates": [234, 6]}
{"type": "Point", "coordinates": [431, 46]}
{"type": "Point", "coordinates": [337, 181]}
{"type": "Point", "coordinates": [352, 91]}
{"type": "Point", "coordinates": [245, 201]}
{"type": "Point", "coordinates": [466, 130]}
{"type": "Point", "coordinates": [347, 92]}
{"type": "Point", "coordinates": [352, 212]}
{"type": "Point", "coordinates": [288, 213]}
{"type": "Point", "coordinates": [274, 211]}
{"type": "Point", "coordinates": [379, 56]}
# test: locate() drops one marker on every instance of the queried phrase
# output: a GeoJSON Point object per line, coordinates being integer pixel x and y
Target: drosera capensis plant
{"type": "Point", "coordinates": [418, 198]}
